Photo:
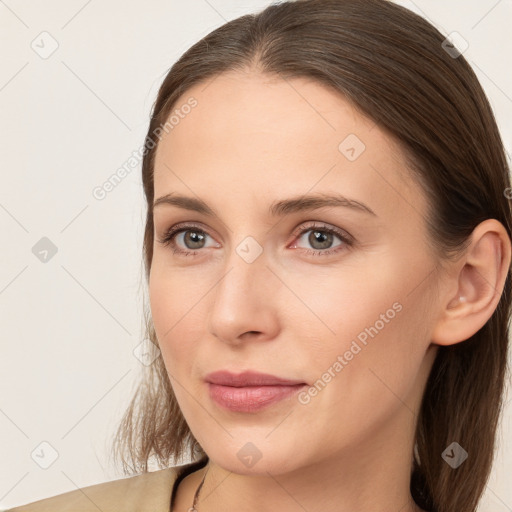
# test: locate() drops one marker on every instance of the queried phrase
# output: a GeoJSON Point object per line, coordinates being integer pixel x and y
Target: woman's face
{"type": "Point", "coordinates": [340, 297]}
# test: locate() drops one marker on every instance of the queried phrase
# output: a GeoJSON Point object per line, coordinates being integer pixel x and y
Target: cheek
{"type": "Point", "coordinates": [339, 304]}
{"type": "Point", "coordinates": [371, 361]}
{"type": "Point", "coordinates": [362, 386]}
{"type": "Point", "coordinates": [176, 317]}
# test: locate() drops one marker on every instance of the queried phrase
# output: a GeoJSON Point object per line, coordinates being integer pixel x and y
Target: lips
{"type": "Point", "coordinates": [249, 391]}
{"type": "Point", "coordinates": [248, 378]}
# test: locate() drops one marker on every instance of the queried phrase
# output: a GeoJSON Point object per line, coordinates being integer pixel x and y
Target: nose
{"type": "Point", "coordinates": [245, 301]}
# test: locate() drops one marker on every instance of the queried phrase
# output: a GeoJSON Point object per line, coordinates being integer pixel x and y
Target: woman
{"type": "Point", "coordinates": [327, 250]}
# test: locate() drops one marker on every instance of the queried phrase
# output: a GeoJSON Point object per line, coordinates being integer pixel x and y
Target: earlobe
{"type": "Point", "coordinates": [480, 275]}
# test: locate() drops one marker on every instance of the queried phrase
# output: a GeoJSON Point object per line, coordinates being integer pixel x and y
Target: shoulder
{"type": "Point", "coordinates": [149, 491]}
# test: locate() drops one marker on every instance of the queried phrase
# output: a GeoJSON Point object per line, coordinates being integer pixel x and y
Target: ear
{"type": "Point", "coordinates": [478, 279]}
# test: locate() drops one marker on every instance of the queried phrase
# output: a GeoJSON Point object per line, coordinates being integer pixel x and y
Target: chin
{"type": "Point", "coordinates": [257, 458]}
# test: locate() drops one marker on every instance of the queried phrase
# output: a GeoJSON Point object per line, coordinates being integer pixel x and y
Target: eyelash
{"type": "Point", "coordinates": [170, 235]}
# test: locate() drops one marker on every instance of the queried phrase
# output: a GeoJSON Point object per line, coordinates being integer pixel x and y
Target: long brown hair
{"type": "Point", "coordinates": [393, 66]}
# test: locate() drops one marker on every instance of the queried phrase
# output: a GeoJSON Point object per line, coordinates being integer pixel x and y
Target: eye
{"type": "Point", "coordinates": [321, 239]}
{"type": "Point", "coordinates": [193, 238]}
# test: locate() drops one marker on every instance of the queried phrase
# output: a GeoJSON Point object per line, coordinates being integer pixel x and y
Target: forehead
{"type": "Point", "coordinates": [255, 135]}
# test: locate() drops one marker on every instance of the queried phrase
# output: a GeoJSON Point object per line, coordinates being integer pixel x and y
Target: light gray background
{"type": "Point", "coordinates": [68, 122]}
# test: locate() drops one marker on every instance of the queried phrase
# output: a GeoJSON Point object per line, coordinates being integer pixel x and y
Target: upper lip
{"type": "Point", "coordinates": [248, 378]}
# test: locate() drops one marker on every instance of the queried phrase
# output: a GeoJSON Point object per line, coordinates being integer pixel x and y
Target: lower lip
{"type": "Point", "coordinates": [250, 398]}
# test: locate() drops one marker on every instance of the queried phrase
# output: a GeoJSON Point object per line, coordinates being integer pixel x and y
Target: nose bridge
{"type": "Point", "coordinates": [245, 272]}
{"type": "Point", "coordinates": [241, 297]}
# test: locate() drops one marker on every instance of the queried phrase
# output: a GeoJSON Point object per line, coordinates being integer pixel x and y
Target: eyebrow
{"type": "Point", "coordinates": [276, 209]}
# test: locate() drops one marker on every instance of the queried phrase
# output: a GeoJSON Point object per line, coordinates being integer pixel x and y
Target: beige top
{"type": "Point", "coordinates": [147, 492]}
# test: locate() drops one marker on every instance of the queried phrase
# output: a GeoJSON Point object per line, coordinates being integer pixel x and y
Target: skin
{"type": "Point", "coordinates": [251, 140]}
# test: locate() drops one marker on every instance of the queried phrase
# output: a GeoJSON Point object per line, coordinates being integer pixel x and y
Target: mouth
{"type": "Point", "coordinates": [250, 391]}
